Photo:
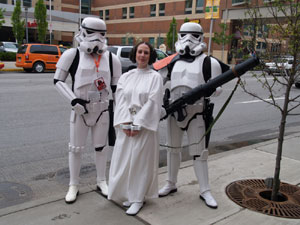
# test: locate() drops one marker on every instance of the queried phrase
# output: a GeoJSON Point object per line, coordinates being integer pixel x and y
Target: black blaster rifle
{"type": "Point", "coordinates": [200, 91]}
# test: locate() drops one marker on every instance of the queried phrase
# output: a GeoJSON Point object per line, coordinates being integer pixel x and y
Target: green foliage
{"type": "Point", "coordinates": [2, 20]}
{"type": "Point", "coordinates": [7, 56]}
{"type": "Point", "coordinates": [40, 15]}
{"type": "Point", "coordinates": [221, 38]}
{"type": "Point", "coordinates": [170, 39]}
{"type": "Point", "coordinates": [186, 20]}
{"type": "Point", "coordinates": [18, 24]}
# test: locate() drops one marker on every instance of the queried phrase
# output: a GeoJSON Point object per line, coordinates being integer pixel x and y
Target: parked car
{"type": "Point", "coordinates": [297, 77]}
{"type": "Point", "coordinates": [123, 54]}
{"type": "Point", "coordinates": [38, 57]}
{"type": "Point", "coordinates": [6, 46]}
{"type": "Point", "coordinates": [281, 65]}
{"type": "Point", "coordinates": [1, 65]}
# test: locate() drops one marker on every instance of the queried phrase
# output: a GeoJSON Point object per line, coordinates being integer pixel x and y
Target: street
{"type": "Point", "coordinates": [35, 131]}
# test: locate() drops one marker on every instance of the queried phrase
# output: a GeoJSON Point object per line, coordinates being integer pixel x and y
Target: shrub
{"type": "Point", "coordinates": [7, 56]}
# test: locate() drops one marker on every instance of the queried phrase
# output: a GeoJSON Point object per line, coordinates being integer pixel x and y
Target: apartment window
{"type": "Point", "coordinates": [124, 13]}
{"type": "Point", "coordinates": [123, 41]}
{"type": "Point", "coordinates": [263, 31]}
{"type": "Point", "coordinates": [248, 30]}
{"type": "Point", "coordinates": [275, 47]}
{"type": "Point", "coordinates": [153, 10]}
{"type": "Point", "coordinates": [131, 12]}
{"type": "Point", "coordinates": [160, 41]}
{"type": "Point", "coordinates": [199, 6]}
{"type": "Point", "coordinates": [27, 3]}
{"type": "Point", "coordinates": [48, 7]}
{"type": "Point", "coordinates": [151, 41]}
{"type": "Point", "coordinates": [107, 14]}
{"type": "Point", "coordinates": [85, 7]}
{"type": "Point", "coordinates": [238, 2]}
{"type": "Point", "coordinates": [3, 1]}
{"type": "Point", "coordinates": [261, 45]}
{"type": "Point", "coordinates": [130, 41]}
{"type": "Point", "coordinates": [101, 14]}
{"type": "Point", "coordinates": [161, 9]}
{"type": "Point", "coordinates": [188, 7]}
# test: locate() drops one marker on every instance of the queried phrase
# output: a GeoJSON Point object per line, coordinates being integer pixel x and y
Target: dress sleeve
{"type": "Point", "coordinates": [149, 115]}
{"type": "Point", "coordinates": [122, 114]}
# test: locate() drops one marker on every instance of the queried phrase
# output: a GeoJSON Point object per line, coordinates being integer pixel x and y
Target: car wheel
{"type": "Point", "coordinates": [39, 67]}
{"type": "Point", "coordinates": [297, 85]}
{"type": "Point", "coordinates": [28, 70]}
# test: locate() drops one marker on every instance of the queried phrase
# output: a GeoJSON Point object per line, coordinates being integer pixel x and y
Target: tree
{"type": "Point", "coordinates": [172, 35]}
{"type": "Point", "coordinates": [40, 15]}
{"type": "Point", "coordinates": [2, 20]}
{"type": "Point", "coordinates": [18, 24]}
{"type": "Point", "coordinates": [221, 38]}
{"type": "Point", "coordinates": [283, 27]}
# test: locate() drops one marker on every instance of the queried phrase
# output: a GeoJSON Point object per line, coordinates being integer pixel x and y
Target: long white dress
{"type": "Point", "coordinates": [134, 164]}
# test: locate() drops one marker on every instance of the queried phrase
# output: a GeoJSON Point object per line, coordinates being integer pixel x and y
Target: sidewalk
{"type": "Point", "coordinates": [10, 66]}
{"type": "Point", "coordinates": [184, 207]}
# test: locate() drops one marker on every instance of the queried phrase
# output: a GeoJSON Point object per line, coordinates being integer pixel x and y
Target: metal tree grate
{"type": "Point", "coordinates": [251, 194]}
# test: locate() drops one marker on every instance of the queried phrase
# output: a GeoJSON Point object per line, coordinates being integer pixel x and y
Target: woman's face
{"type": "Point", "coordinates": [142, 56]}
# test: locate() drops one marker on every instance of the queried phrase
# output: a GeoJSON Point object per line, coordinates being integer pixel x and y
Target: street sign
{"type": "Point", "coordinates": [212, 9]}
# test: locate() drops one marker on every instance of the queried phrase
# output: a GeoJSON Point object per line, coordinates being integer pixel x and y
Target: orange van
{"type": "Point", "coordinates": [38, 57]}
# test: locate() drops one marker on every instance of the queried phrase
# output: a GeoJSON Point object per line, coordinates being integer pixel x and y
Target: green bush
{"type": "Point", "coordinates": [7, 56]}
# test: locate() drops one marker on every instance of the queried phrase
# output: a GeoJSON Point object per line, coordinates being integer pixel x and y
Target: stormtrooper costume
{"type": "Point", "coordinates": [187, 73]}
{"type": "Point", "coordinates": [92, 88]}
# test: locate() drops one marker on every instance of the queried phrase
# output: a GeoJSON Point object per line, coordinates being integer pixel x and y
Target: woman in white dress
{"type": "Point", "coordinates": [134, 164]}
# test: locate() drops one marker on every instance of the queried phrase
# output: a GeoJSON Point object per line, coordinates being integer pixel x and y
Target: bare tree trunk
{"type": "Point", "coordinates": [284, 112]}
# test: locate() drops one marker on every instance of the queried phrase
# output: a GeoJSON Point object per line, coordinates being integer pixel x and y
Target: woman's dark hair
{"type": "Point", "coordinates": [152, 57]}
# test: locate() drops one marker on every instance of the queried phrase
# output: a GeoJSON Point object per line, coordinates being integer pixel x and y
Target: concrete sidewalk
{"type": "Point", "coordinates": [184, 207]}
{"type": "Point", "coordinates": [10, 66]}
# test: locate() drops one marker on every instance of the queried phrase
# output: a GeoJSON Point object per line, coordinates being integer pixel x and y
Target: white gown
{"type": "Point", "coordinates": [134, 164]}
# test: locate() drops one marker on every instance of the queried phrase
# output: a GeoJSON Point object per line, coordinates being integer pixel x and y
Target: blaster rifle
{"type": "Point", "coordinates": [200, 91]}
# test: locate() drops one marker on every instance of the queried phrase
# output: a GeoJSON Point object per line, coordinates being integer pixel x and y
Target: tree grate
{"type": "Point", "coordinates": [254, 195]}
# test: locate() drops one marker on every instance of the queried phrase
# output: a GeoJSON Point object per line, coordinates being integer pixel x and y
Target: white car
{"type": "Point", "coordinates": [281, 65]}
{"type": "Point", "coordinates": [123, 53]}
{"type": "Point", "coordinates": [6, 46]}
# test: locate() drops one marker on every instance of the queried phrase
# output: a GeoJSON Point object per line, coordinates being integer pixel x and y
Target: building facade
{"type": "Point", "coordinates": [131, 20]}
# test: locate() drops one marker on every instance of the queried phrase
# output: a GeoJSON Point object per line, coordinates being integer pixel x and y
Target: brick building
{"type": "Point", "coordinates": [149, 20]}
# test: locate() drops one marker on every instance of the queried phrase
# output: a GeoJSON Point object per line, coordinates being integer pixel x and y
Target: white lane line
{"type": "Point", "coordinates": [254, 101]}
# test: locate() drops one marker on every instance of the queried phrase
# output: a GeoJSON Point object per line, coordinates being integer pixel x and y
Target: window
{"type": "Point", "coordinates": [248, 30]}
{"type": "Point", "coordinates": [123, 41]}
{"type": "Point", "coordinates": [85, 6]}
{"type": "Point", "coordinates": [161, 9]}
{"type": "Point", "coordinates": [199, 6]}
{"type": "Point", "coordinates": [160, 41]}
{"type": "Point", "coordinates": [131, 12]}
{"type": "Point", "coordinates": [48, 7]}
{"type": "Point", "coordinates": [188, 7]}
{"type": "Point", "coordinates": [151, 41]}
{"type": "Point", "coordinates": [261, 46]}
{"type": "Point", "coordinates": [44, 49]}
{"type": "Point", "coordinates": [238, 2]}
{"type": "Point", "coordinates": [27, 3]}
{"type": "Point", "coordinates": [101, 14]}
{"type": "Point", "coordinates": [275, 47]}
{"type": "Point", "coordinates": [107, 14]}
{"type": "Point", "coordinates": [3, 1]}
{"type": "Point", "coordinates": [263, 31]}
{"type": "Point", "coordinates": [130, 41]}
{"type": "Point", "coordinates": [124, 13]}
{"type": "Point", "coordinates": [125, 52]}
{"type": "Point", "coordinates": [153, 10]}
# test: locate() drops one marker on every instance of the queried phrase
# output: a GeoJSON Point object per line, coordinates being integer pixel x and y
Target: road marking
{"type": "Point", "coordinates": [254, 101]}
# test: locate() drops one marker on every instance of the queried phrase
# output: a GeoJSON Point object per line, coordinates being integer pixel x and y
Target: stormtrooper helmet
{"type": "Point", "coordinates": [91, 36]}
{"type": "Point", "coordinates": [190, 39]}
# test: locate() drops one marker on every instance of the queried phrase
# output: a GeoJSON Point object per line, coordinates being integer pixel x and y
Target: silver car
{"type": "Point", "coordinates": [123, 53]}
{"type": "Point", "coordinates": [6, 46]}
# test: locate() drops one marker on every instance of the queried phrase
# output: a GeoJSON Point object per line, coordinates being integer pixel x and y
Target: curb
{"type": "Point", "coordinates": [10, 70]}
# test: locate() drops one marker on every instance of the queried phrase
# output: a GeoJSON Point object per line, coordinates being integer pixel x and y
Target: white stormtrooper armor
{"type": "Point", "coordinates": [89, 97]}
{"type": "Point", "coordinates": [187, 73]}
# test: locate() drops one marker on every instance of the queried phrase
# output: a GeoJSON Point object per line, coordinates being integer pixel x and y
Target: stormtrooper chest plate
{"type": "Point", "coordinates": [186, 76]}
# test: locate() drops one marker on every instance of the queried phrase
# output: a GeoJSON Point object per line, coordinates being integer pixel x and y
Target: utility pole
{"type": "Point", "coordinates": [50, 21]}
{"type": "Point", "coordinates": [26, 23]}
